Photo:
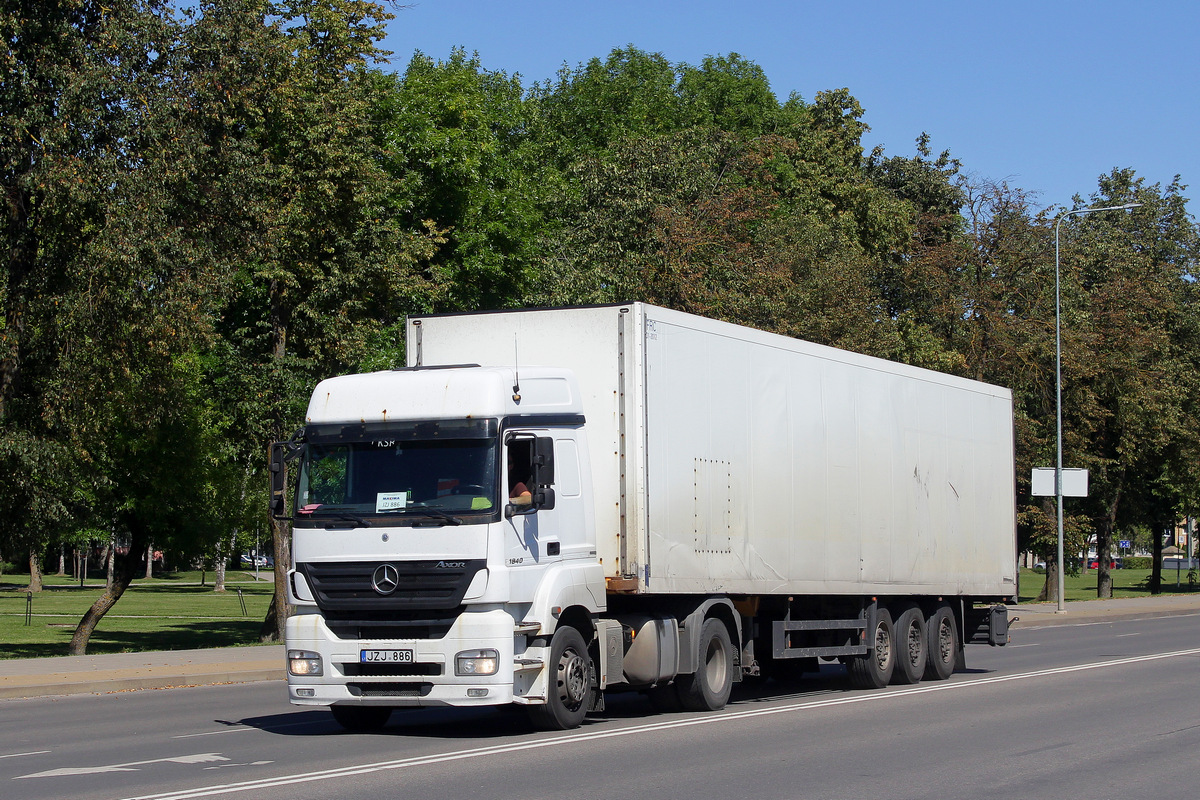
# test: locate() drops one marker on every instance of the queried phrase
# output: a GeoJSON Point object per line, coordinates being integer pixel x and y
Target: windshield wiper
{"type": "Point", "coordinates": [330, 513]}
{"type": "Point", "coordinates": [443, 517]}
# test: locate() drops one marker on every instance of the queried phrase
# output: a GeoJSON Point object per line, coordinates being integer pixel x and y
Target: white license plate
{"type": "Point", "coordinates": [386, 656]}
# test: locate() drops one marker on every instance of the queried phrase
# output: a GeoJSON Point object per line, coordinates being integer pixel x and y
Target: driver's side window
{"type": "Point", "coordinates": [520, 471]}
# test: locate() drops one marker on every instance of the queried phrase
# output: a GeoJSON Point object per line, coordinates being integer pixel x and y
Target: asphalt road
{"type": "Point", "coordinates": [1091, 711]}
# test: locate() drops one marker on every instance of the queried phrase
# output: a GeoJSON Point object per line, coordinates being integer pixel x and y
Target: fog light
{"type": "Point", "coordinates": [302, 662]}
{"type": "Point", "coordinates": [477, 692]}
{"type": "Point", "coordinates": [477, 662]}
{"type": "Point", "coordinates": [306, 692]}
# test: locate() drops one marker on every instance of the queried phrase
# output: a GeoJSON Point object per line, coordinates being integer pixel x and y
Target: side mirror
{"type": "Point", "coordinates": [543, 461]}
{"type": "Point", "coordinates": [279, 454]}
{"type": "Point", "coordinates": [514, 510]}
{"type": "Point", "coordinates": [278, 471]}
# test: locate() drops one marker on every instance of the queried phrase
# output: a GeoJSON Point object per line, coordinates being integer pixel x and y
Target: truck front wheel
{"type": "Point", "coordinates": [568, 684]}
{"type": "Point", "coordinates": [708, 688]}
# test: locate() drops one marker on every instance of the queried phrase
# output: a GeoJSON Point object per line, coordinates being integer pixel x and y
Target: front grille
{"type": "Point", "coordinates": [420, 585]}
{"type": "Point", "coordinates": [391, 624]}
{"type": "Point", "coordinates": [389, 689]}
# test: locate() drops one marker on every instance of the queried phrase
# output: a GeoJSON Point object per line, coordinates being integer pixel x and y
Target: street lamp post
{"type": "Point", "coordinates": [1058, 497]}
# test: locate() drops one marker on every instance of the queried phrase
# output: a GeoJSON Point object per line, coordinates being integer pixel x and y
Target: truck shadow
{"type": "Point", "coordinates": [508, 722]}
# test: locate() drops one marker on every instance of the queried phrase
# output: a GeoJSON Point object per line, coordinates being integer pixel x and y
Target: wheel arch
{"type": "Point", "coordinates": [691, 622]}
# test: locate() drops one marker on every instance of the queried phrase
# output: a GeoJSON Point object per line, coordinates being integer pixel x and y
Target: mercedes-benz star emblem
{"type": "Point", "coordinates": [386, 579]}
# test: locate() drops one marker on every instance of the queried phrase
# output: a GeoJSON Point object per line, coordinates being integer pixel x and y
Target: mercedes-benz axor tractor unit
{"type": "Point", "coordinates": [545, 506]}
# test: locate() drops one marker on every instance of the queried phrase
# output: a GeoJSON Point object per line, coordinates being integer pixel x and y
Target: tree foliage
{"type": "Point", "coordinates": [210, 206]}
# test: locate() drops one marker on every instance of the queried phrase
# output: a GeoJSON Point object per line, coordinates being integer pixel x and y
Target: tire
{"type": "Point", "coordinates": [944, 651]}
{"type": "Point", "coordinates": [912, 647]}
{"type": "Point", "coordinates": [568, 683]}
{"type": "Point", "coordinates": [361, 718]}
{"type": "Point", "coordinates": [708, 688]}
{"type": "Point", "coordinates": [873, 669]}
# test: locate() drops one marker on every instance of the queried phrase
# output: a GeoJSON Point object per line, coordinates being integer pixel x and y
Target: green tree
{"type": "Point", "coordinates": [325, 263]}
{"type": "Point", "coordinates": [631, 93]}
{"type": "Point", "coordinates": [1131, 369]}
{"type": "Point", "coordinates": [81, 80]}
{"type": "Point", "coordinates": [460, 160]}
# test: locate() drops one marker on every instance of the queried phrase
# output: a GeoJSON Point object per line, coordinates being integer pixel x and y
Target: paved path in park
{"type": "Point", "coordinates": [119, 672]}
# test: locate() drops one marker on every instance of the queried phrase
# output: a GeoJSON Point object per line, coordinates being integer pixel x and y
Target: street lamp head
{"type": "Point", "coordinates": [1125, 207]}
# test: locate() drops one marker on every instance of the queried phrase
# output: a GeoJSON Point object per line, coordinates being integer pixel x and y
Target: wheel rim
{"type": "Point", "coordinates": [883, 647]}
{"type": "Point", "coordinates": [945, 641]}
{"type": "Point", "coordinates": [714, 665]}
{"type": "Point", "coordinates": [914, 644]}
{"type": "Point", "coordinates": [572, 679]}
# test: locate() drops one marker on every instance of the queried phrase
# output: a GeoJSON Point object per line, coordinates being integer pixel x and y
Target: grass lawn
{"type": "Point", "coordinates": [1126, 583]}
{"type": "Point", "coordinates": [171, 613]}
{"type": "Point", "coordinates": [176, 612]}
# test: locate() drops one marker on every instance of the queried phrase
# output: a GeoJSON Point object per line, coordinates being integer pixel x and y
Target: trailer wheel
{"type": "Point", "coordinates": [708, 688]}
{"type": "Point", "coordinates": [912, 646]}
{"type": "Point", "coordinates": [568, 684]}
{"type": "Point", "coordinates": [944, 650]}
{"type": "Point", "coordinates": [873, 669]}
{"type": "Point", "coordinates": [361, 718]}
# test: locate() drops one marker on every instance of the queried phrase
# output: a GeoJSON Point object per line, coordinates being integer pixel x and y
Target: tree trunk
{"type": "Point", "coordinates": [126, 569]}
{"type": "Point", "coordinates": [35, 570]}
{"type": "Point", "coordinates": [1049, 593]}
{"type": "Point", "coordinates": [110, 556]}
{"type": "Point", "coordinates": [62, 559]}
{"type": "Point", "coordinates": [1156, 548]}
{"type": "Point", "coordinates": [273, 625]}
{"type": "Point", "coordinates": [149, 559]}
{"type": "Point", "coordinates": [219, 567]}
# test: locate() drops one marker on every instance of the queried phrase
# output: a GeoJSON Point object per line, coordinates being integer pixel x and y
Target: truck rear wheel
{"type": "Point", "coordinates": [568, 683]}
{"type": "Point", "coordinates": [944, 647]}
{"type": "Point", "coordinates": [708, 688]}
{"type": "Point", "coordinates": [361, 718]}
{"type": "Point", "coordinates": [912, 646]}
{"type": "Point", "coordinates": [873, 669]}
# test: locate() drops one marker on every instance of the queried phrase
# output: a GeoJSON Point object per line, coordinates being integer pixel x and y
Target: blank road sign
{"type": "Point", "coordinates": [1074, 482]}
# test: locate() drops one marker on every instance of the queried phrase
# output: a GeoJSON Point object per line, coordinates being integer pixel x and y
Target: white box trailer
{"type": "Point", "coordinates": [727, 459]}
{"type": "Point", "coordinates": [707, 502]}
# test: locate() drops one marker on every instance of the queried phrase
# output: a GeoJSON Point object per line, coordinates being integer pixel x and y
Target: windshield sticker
{"type": "Point", "coordinates": [391, 501]}
{"type": "Point", "coordinates": [310, 508]}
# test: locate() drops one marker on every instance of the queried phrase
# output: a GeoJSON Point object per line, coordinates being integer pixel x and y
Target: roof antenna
{"type": "Point", "coordinates": [516, 372]}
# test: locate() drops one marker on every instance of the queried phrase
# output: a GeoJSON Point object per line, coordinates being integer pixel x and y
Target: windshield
{"type": "Point", "coordinates": [439, 471]}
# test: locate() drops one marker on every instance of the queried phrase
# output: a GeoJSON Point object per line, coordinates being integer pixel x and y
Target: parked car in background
{"type": "Point", "coordinates": [1094, 563]}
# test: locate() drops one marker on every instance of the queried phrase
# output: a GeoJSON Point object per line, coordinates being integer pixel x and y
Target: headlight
{"type": "Point", "coordinates": [302, 662]}
{"type": "Point", "coordinates": [477, 662]}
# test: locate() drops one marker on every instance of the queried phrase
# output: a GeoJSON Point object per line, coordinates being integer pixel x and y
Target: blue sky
{"type": "Point", "coordinates": [1046, 95]}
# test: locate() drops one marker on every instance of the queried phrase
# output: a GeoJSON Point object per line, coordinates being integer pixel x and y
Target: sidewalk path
{"type": "Point", "coordinates": [119, 672]}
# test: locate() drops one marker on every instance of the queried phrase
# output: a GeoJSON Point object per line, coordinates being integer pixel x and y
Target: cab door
{"type": "Point", "coordinates": [548, 525]}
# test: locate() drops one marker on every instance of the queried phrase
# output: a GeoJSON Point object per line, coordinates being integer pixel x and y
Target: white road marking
{"type": "Point", "coordinates": [30, 753]}
{"type": "Point", "coordinates": [707, 719]}
{"type": "Point", "coordinates": [241, 729]}
{"type": "Point", "coordinates": [133, 766]}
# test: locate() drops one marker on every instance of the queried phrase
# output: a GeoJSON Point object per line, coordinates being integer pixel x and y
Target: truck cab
{"type": "Point", "coordinates": [440, 531]}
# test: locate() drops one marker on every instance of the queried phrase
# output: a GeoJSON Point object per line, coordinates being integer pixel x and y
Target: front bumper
{"type": "Point", "coordinates": [429, 680]}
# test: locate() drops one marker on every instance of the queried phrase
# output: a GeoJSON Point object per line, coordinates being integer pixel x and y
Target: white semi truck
{"type": "Point", "coordinates": [546, 505]}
